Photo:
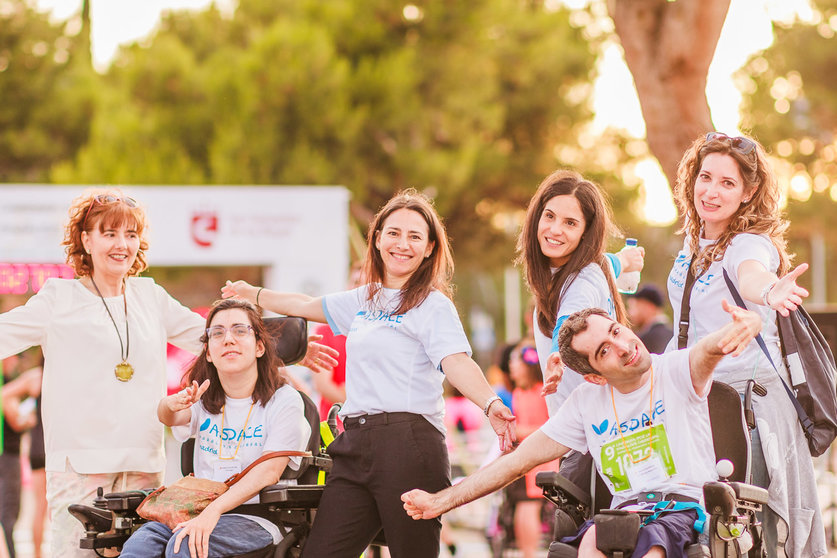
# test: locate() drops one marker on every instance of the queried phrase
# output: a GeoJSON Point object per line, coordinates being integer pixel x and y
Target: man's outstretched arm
{"type": "Point", "coordinates": [535, 449]}
{"type": "Point", "coordinates": [733, 338]}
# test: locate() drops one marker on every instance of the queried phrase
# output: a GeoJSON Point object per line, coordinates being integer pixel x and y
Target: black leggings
{"type": "Point", "coordinates": [374, 464]}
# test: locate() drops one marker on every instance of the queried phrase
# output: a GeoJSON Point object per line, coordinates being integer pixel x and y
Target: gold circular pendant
{"type": "Point", "coordinates": [124, 371]}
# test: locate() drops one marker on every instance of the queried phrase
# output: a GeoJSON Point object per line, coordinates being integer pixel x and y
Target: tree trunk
{"type": "Point", "coordinates": [668, 48]}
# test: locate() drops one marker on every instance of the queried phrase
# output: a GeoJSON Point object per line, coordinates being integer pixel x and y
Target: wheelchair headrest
{"type": "Point", "coordinates": [290, 337]}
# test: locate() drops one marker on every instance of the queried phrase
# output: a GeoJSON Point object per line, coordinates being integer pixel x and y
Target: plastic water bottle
{"type": "Point", "coordinates": [627, 282]}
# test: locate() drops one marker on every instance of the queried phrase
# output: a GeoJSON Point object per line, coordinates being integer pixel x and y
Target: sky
{"type": "Point", "coordinates": [747, 30]}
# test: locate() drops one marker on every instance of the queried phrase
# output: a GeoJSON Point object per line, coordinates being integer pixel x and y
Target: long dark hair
{"type": "Point", "coordinates": [269, 379]}
{"type": "Point", "coordinates": [598, 224]}
{"type": "Point", "coordinates": [434, 272]}
{"type": "Point", "coordinates": [760, 215]}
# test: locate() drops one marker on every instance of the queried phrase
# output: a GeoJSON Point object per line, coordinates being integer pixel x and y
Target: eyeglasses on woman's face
{"type": "Point", "coordinates": [218, 333]}
{"type": "Point", "coordinates": [106, 199]}
{"type": "Point", "coordinates": [745, 146]}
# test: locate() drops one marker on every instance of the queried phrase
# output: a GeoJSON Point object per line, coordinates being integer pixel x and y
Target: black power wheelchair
{"type": "Point", "coordinates": [731, 503]}
{"type": "Point", "coordinates": [113, 518]}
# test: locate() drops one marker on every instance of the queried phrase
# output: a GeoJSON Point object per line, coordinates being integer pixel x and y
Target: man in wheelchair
{"type": "Point", "coordinates": [643, 417]}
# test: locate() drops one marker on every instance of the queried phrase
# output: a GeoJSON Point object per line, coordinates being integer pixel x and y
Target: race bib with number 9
{"type": "Point", "coordinates": [616, 462]}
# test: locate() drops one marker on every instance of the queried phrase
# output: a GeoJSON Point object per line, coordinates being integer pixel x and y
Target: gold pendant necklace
{"type": "Point", "coordinates": [123, 371]}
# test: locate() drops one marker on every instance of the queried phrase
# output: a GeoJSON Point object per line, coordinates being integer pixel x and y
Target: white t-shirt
{"type": "Point", "coordinates": [278, 426]}
{"type": "Point", "coordinates": [683, 458]}
{"type": "Point", "coordinates": [705, 313]}
{"type": "Point", "coordinates": [589, 289]}
{"type": "Point", "coordinates": [99, 424]}
{"type": "Point", "coordinates": [393, 361]}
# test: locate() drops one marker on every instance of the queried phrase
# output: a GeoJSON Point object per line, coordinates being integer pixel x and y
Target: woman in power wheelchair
{"type": "Point", "coordinates": [239, 407]}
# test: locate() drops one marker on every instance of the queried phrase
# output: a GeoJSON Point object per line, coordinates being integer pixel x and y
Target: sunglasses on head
{"type": "Point", "coordinates": [106, 199]}
{"type": "Point", "coordinates": [745, 146]}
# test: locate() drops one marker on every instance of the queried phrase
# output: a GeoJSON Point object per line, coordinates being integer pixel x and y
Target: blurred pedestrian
{"type": "Point", "coordinates": [645, 312]}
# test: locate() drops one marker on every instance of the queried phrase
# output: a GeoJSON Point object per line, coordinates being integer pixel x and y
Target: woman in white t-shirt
{"type": "Point", "coordinates": [239, 407]}
{"type": "Point", "coordinates": [729, 197]}
{"type": "Point", "coordinates": [403, 338]}
{"type": "Point", "coordinates": [562, 250]}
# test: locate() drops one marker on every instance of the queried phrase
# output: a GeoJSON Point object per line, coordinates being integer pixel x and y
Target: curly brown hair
{"type": "Point", "coordinates": [545, 285]}
{"type": "Point", "coordinates": [760, 215]}
{"type": "Point", "coordinates": [87, 212]}
{"type": "Point", "coordinates": [434, 272]}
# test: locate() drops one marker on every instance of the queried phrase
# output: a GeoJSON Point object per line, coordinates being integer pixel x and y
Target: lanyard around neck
{"type": "Point", "coordinates": [241, 437]}
{"type": "Point", "coordinates": [650, 423]}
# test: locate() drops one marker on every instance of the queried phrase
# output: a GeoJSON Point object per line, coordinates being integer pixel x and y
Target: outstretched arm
{"type": "Point", "coordinates": [289, 304]}
{"type": "Point", "coordinates": [536, 449]}
{"type": "Point", "coordinates": [759, 286]}
{"type": "Point", "coordinates": [733, 338]}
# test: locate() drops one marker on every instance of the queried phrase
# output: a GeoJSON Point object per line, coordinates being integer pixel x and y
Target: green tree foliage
{"type": "Point", "coordinates": [47, 92]}
{"type": "Point", "coordinates": [791, 107]}
{"type": "Point", "coordinates": [468, 102]}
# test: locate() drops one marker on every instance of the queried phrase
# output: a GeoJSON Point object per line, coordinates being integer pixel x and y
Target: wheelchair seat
{"type": "Point", "coordinates": [731, 504]}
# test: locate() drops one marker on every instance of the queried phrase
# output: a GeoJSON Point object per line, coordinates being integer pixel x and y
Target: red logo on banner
{"type": "Point", "coordinates": [204, 228]}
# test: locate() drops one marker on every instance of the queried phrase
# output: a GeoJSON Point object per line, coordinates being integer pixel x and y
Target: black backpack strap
{"type": "Point", "coordinates": [804, 419]}
{"type": "Point", "coordinates": [683, 326]}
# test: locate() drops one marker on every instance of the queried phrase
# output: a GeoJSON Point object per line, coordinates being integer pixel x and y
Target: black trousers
{"type": "Point", "coordinates": [374, 463]}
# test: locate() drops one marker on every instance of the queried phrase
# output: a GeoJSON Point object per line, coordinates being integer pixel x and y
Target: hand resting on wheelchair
{"type": "Point", "coordinates": [643, 418]}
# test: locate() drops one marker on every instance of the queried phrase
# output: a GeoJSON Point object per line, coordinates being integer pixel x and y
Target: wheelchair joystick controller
{"type": "Point", "coordinates": [724, 468]}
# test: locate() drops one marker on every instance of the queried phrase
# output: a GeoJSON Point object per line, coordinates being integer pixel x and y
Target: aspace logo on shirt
{"type": "Point", "coordinates": [210, 432]}
{"type": "Point", "coordinates": [380, 316]}
{"type": "Point", "coordinates": [628, 425]}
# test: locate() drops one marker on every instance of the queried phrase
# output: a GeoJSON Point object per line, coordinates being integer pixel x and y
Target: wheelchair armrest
{"type": "Point", "coordinates": [292, 496]}
{"type": "Point", "coordinates": [749, 493]}
{"type": "Point", "coordinates": [553, 483]}
{"type": "Point", "coordinates": [93, 519]}
{"type": "Point", "coordinates": [123, 501]}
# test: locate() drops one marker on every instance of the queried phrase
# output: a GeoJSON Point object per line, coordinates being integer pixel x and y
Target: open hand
{"type": "Point", "coordinates": [198, 530]}
{"type": "Point", "coordinates": [187, 396]}
{"type": "Point", "coordinates": [502, 421]}
{"type": "Point", "coordinates": [239, 289]}
{"type": "Point", "coordinates": [553, 373]}
{"type": "Point", "coordinates": [737, 334]}
{"type": "Point", "coordinates": [319, 358]}
{"type": "Point", "coordinates": [786, 295]}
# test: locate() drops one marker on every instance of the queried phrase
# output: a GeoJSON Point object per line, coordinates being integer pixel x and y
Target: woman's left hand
{"type": "Point", "coordinates": [198, 530]}
{"type": "Point", "coordinates": [502, 421]}
{"type": "Point", "coordinates": [319, 358]}
{"type": "Point", "coordinates": [786, 296]}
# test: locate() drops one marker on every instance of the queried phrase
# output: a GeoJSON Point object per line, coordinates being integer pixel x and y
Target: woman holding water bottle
{"type": "Point", "coordinates": [562, 250]}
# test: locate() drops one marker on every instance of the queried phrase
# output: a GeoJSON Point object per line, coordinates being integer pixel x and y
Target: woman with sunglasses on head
{"type": "Point", "coordinates": [403, 338]}
{"type": "Point", "coordinates": [104, 339]}
{"type": "Point", "coordinates": [234, 392]}
{"type": "Point", "coordinates": [729, 197]}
